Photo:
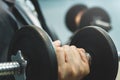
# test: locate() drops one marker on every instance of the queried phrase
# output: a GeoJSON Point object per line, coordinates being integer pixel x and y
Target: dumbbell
{"type": "Point", "coordinates": [73, 16]}
{"type": "Point", "coordinates": [94, 16]}
{"type": "Point", "coordinates": [32, 55]}
{"type": "Point", "coordinates": [8, 26]}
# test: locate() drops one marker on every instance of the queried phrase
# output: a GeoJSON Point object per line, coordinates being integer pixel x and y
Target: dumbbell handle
{"type": "Point", "coordinates": [89, 58]}
{"type": "Point", "coordinates": [16, 67]}
{"type": "Point", "coordinates": [12, 68]}
{"type": "Point", "coordinates": [9, 68]}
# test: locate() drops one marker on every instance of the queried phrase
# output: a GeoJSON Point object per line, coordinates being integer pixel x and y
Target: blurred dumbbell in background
{"type": "Point", "coordinates": [74, 15]}
{"type": "Point", "coordinates": [79, 16]}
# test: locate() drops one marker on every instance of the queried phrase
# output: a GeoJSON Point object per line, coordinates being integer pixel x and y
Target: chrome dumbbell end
{"type": "Point", "coordinates": [16, 67]}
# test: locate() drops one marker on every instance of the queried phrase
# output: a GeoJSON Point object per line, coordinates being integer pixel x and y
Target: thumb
{"type": "Point", "coordinates": [57, 43]}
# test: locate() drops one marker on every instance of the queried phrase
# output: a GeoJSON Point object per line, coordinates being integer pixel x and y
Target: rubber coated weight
{"type": "Point", "coordinates": [94, 14]}
{"type": "Point", "coordinates": [71, 15]}
{"type": "Point", "coordinates": [8, 27]}
{"type": "Point", "coordinates": [37, 49]}
{"type": "Point", "coordinates": [97, 42]}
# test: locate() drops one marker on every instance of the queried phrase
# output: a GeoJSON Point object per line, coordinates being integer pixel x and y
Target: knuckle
{"type": "Point", "coordinates": [65, 46]}
{"type": "Point", "coordinates": [83, 50]}
{"type": "Point", "coordinates": [59, 49]}
{"type": "Point", "coordinates": [72, 46]}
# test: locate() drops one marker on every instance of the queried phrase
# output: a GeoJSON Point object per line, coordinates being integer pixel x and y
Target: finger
{"type": "Point", "coordinates": [67, 52]}
{"type": "Point", "coordinates": [76, 57]}
{"type": "Point", "coordinates": [83, 54]}
{"type": "Point", "coordinates": [57, 43]}
{"type": "Point", "coordinates": [60, 55]}
{"type": "Point", "coordinates": [75, 52]}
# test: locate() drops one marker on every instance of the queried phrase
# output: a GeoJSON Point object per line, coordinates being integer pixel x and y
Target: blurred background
{"type": "Point", "coordinates": [54, 12]}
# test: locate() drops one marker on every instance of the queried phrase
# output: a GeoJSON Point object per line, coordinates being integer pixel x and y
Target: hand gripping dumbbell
{"type": "Point", "coordinates": [32, 56]}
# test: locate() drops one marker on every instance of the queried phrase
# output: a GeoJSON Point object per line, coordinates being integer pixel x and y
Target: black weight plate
{"type": "Point", "coordinates": [8, 27]}
{"type": "Point", "coordinates": [96, 41]}
{"type": "Point", "coordinates": [92, 14]}
{"type": "Point", "coordinates": [37, 49]}
{"type": "Point", "coordinates": [71, 15]}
